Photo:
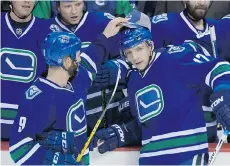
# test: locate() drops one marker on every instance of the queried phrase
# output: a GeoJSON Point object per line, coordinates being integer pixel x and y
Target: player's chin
{"type": "Point", "coordinates": [73, 21]}
{"type": "Point", "coordinates": [140, 66]}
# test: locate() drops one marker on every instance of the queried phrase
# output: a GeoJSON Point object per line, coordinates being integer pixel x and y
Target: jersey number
{"type": "Point", "coordinates": [22, 123]}
{"type": "Point", "coordinates": [200, 58]}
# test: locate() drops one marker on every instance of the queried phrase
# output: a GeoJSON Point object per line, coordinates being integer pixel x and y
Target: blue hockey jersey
{"type": "Point", "coordinates": [21, 62]}
{"type": "Point", "coordinates": [175, 28]}
{"type": "Point", "coordinates": [46, 106]}
{"type": "Point", "coordinates": [165, 100]}
{"type": "Point", "coordinates": [92, 24]}
{"type": "Point", "coordinates": [102, 6]}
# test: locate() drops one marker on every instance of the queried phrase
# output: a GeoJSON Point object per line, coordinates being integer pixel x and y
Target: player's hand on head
{"type": "Point", "coordinates": [114, 26]}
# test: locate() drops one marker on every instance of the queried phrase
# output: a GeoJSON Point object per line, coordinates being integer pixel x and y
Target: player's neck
{"type": "Point", "coordinates": [199, 24]}
{"type": "Point", "coordinates": [17, 19]}
{"type": "Point", "coordinates": [58, 77]}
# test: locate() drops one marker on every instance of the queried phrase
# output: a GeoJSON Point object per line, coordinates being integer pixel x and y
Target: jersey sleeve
{"type": "Point", "coordinates": [31, 120]}
{"type": "Point", "coordinates": [192, 62]}
{"type": "Point", "coordinates": [158, 24]}
{"type": "Point", "coordinates": [94, 55]}
{"type": "Point", "coordinates": [219, 76]}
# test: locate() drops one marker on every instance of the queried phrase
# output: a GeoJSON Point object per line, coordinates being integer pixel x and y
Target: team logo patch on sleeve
{"type": "Point", "coordinates": [149, 102]}
{"type": "Point", "coordinates": [159, 18]}
{"type": "Point", "coordinates": [109, 16]}
{"type": "Point", "coordinates": [32, 92]}
{"type": "Point", "coordinates": [175, 49]}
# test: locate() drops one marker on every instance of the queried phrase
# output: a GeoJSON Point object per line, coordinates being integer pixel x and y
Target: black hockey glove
{"type": "Point", "coordinates": [108, 139]}
{"type": "Point", "coordinates": [221, 106]}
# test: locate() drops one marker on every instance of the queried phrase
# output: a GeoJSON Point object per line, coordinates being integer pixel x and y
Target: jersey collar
{"type": "Point", "coordinates": [198, 33]}
{"type": "Point", "coordinates": [68, 87]}
{"type": "Point", "coordinates": [67, 29]}
{"type": "Point", "coordinates": [12, 30]}
{"type": "Point", "coordinates": [155, 58]}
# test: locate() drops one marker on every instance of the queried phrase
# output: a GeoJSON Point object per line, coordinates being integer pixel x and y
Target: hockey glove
{"type": "Point", "coordinates": [106, 75]}
{"type": "Point", "coordinates": [58, 141]}
{"type": "Point", "coordinates": [57, 158]}
{"type": "Point", "coordinates": [221, 106]}
{"type": "Point", "coordinates": [108, 139]}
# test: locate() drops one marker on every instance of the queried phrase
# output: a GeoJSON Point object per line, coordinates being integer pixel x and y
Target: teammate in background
{"type": "Point", "coordinates": [49, 130]}
{"type": "Point", "coordinates": [166, 100]}
{"type": "Point", "coordinates": [21, 59]}
{"type": "Point", "coordinates": [73, 17]}
{"type": "Point", "coordinates": [190, 24]}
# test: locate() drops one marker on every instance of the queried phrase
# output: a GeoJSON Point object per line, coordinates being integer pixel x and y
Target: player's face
{"type": "Point", "coordinates": [139, 55]}
{"type": "Point", "coordinates": [71, 12]}
{"type": "Point", "coordinates": [198, 9]}
{"type": "Point", "coordinates": [23, 8]}
{"type": "Point", "coordinates": [74, 65]}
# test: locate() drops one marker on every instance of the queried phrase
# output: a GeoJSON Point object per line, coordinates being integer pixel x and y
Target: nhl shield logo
{"type": "Point", "coordinates": [32, 92]}
{"type": "Point", "coordinates": [149, 102]}
{"type": "Point", "coordinates": [18, 31]}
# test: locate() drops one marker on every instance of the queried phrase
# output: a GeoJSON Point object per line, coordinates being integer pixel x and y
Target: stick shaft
{"type": "Point", "coordinates": [218, 147]}
{"type": "Point", "coordinates": [213, 40]}
{"type": "Point", "coordinates": [79, 157]}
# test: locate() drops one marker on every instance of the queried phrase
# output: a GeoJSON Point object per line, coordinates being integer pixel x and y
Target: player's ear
{"type": "Point", "coordinates": [67, 61]}
{"type": "Point", "coordinates": [152, 46]}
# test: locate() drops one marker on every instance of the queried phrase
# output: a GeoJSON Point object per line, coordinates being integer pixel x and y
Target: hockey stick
{"type": "Point", "coordinates": [79, 157]}
{"type": "Point", "coordinates": [213, 40]}
{"type": "Point", "coordinates": [218, 147]}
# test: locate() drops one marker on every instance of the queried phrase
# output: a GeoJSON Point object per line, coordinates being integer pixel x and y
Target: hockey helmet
{"type": "Point", "coordinates": [58, 45]}
{"type": "Point", "coordinates": [131, 37]}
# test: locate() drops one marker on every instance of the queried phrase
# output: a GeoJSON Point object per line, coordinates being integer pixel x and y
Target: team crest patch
{"type": "Point", "coordinates": [226, 17]}
{"type": "Point", "coordinates": [149, 102]}
{"type": "Point", "coordinates": [55, 28]}
{"type": "Point", "coordinates": [159, 18]}
{"type": "Point", "coordinates": [109, 16]}
{"type": "Point", "coordinates": [175, 49]}
{"type": "Point", "coordinates": [32, 92]}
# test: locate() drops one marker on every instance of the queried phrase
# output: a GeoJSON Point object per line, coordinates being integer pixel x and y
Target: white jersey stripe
{"type": "Point", "coordinates": [4, 121]}
{"type": "Point", "coordinates": [89, 60]}
{"type": "Point", "coordinates": [29, 154]}
{"type": "Point", "coordinates": [17, 145]}
{"type": "Point", "coordinates": [6, 105]}
{"type": "Point", "coordinates": [175, 150]}
{"type": "Point", "coordinates": [175, 134]}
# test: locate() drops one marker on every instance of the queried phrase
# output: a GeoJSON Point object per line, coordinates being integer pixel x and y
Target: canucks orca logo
{"type": "Point", "coordinates": [17, 65]}
{"type": "Point", "coordinates": [175, 49]}
{"type": "Point", "coordinates": [75, 118]}
{"type": "Point", "coordinates": [32, 92]}
{"type": "Point", "coordinates": [159, 18]}
{"type": "Point", "coordinates": [149, 102]}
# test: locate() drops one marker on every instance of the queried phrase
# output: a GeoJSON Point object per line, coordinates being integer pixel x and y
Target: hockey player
{"type": "Point", "coordinates": [50, 127]}
{"type": "Point", "coordinates": [21, 59]}
{"type": "Point", "coordinates": [175, 28]}
{"type": "Point", "coordinates": [164, 94]}
{"type": "Point", "coordinates": [73, 17]}
{"type": "Point", "coordinates": [190, 24]}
